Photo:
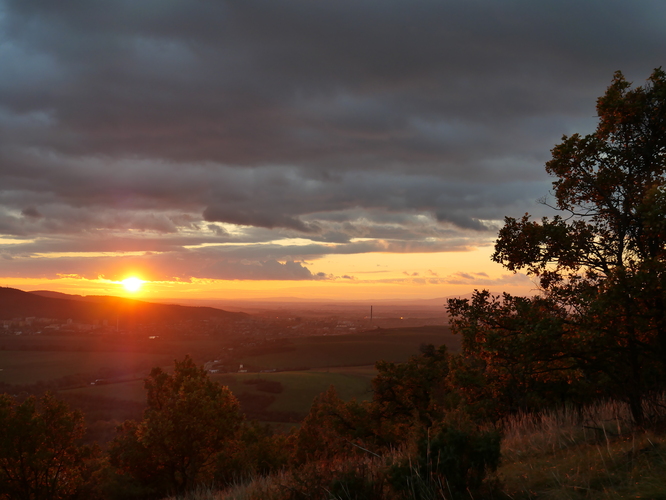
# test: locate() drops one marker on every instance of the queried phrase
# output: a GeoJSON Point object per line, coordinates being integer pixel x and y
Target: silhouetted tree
{"type": "Point", "coordinates": [601, 264]}
{"type": "Point", "coordinates": [189, 420]}
{"type": "Point", "coordinates": [417, 388]}
{"type": "Point", "coordinates": [518, 354]}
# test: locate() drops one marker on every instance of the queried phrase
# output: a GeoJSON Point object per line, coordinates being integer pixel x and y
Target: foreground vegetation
{"type": "Point", "coordinates": [198, 443]}
{"type": "Point", "coordinates": [591, 453]}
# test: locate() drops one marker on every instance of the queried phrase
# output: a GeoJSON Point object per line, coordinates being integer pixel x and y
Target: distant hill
{"type": "Point", "coordinates": [65, 296]}
{"type": "Point", "coordinates": [45, 304]}
{"type": "Point", "coordinates": [399, 307]}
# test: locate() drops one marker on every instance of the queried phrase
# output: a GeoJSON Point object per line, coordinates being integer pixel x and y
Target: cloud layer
{"type": "Point", "coordinates": [239, 139]}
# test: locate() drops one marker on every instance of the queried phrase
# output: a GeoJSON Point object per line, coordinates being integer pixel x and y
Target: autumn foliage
{"type": "Point", "coordinates": [40, 458]}
{"type": "Point", "coordinates": [598, 327]}
{"type": "Point", "coordinates": [188, 422]}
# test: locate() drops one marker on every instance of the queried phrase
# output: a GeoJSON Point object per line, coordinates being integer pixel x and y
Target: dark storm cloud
{"type": "Point", "coordinates": [154, 126]}
{"type": "Point", "coordinates": [266, 270]}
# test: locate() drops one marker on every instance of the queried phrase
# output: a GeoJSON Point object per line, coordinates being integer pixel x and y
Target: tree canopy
{"type": "Point", "coordinates": [189, 420]}
{"type": "Point", "coordinates": [40, 458]}
{"type": "Point", "coordinates": [600, 263]}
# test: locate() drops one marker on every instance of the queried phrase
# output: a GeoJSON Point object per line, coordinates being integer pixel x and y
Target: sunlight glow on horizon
{"type": "Point", "coordinates": [356, 277]}
{"type": "Point", "coordinates": [132, 284]}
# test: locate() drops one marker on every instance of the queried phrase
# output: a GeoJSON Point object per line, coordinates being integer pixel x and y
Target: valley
{"type": "Point", "coordinates": [274, 361]}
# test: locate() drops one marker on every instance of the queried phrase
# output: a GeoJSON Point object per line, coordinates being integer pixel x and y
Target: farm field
{"type": "Point", "coordinates": [33, 359]}
{"type": "Point", "coordinates": [301, 387]}
{"type": "Point", "coordinates": [82, 359]}
{"type": "Point", "coordinates": [131, 390]}
{"type": "Point", "coordinates": [298, 388]}
{"type": "Point", "coordinates": [30, 367]}
{"type": "Point", "coordinates": [361, 349]}
{"type": "Point", "coordinates": [304, 368]}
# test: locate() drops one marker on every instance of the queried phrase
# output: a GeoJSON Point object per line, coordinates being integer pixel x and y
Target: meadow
{"type": "Point", "coordinates": [360, 349]}
{"type": "Point", "coordinates": [290, 404]}
{"type": "Point", "coordinates": [31, 367]}
{"type": "Point", "coordinates": [98, 373]}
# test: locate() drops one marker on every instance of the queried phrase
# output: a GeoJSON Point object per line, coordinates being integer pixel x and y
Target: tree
{"type": "Point", "coordinates": [416, 389]}
{"type": "Point", "coordinates": [517, 356]}
{"type": "Point", "coordinates": [39, 455]}
{"type": "Point", "coordinates": [334, 428]}
{"type": "Point", "coordinates": [406, 396]}
{"type": "Point", "coordinates": [188, 421]}
{"type": "Point", "coordinates": [445, 451]}
{"type": "Point", "coordinates": [601, 264]}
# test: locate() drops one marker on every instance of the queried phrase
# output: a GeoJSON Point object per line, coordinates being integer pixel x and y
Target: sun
{"type": "Point", "coordinates": [132, 284]}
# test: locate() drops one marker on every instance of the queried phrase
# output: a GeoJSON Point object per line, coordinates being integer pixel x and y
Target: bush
{"type": "Point", "coordinates": [258, 451]}
{"type": "Point", "coordinates": [450, 461]}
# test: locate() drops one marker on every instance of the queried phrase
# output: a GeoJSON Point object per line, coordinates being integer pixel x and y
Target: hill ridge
{"type": "Point", "coordinates": [44, 304]}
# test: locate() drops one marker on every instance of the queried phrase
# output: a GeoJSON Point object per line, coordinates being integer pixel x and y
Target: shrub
{"type": "Point", "coordinates": [450, 461]}
{"type": "Point", "coordinates": [258, 451]}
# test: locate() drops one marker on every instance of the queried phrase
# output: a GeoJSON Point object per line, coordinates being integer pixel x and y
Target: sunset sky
{"type": "Point", "coordinates": [340, 149]}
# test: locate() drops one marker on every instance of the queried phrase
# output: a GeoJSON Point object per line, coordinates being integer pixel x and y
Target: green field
{"type": "Point", "coordinates": [305, 367]}
{"type": "Point", "coordinates": [299, 388]}
{"type": "Point", "coordinates": [29, 367]}
{"type": "Point", "coordinates": [395, 345]}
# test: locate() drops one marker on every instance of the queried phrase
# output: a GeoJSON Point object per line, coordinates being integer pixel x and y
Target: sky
{"type": "Point", "coordinates": [339, 149]}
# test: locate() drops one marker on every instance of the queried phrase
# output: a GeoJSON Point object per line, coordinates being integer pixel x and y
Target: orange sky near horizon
{"type": "Point", "coordinates": [376, 276]}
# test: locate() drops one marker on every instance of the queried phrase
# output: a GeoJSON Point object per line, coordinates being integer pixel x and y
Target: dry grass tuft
{"type": "Point", "coordinates": [586, 454]}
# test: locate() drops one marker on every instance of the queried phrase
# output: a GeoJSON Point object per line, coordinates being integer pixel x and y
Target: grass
{"type": "Point", "coordinates": [591, 454]}
{"type": "Point", "coordinates": [250, 491]}
{"type": "Point", "coordinates": [560, 455]}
